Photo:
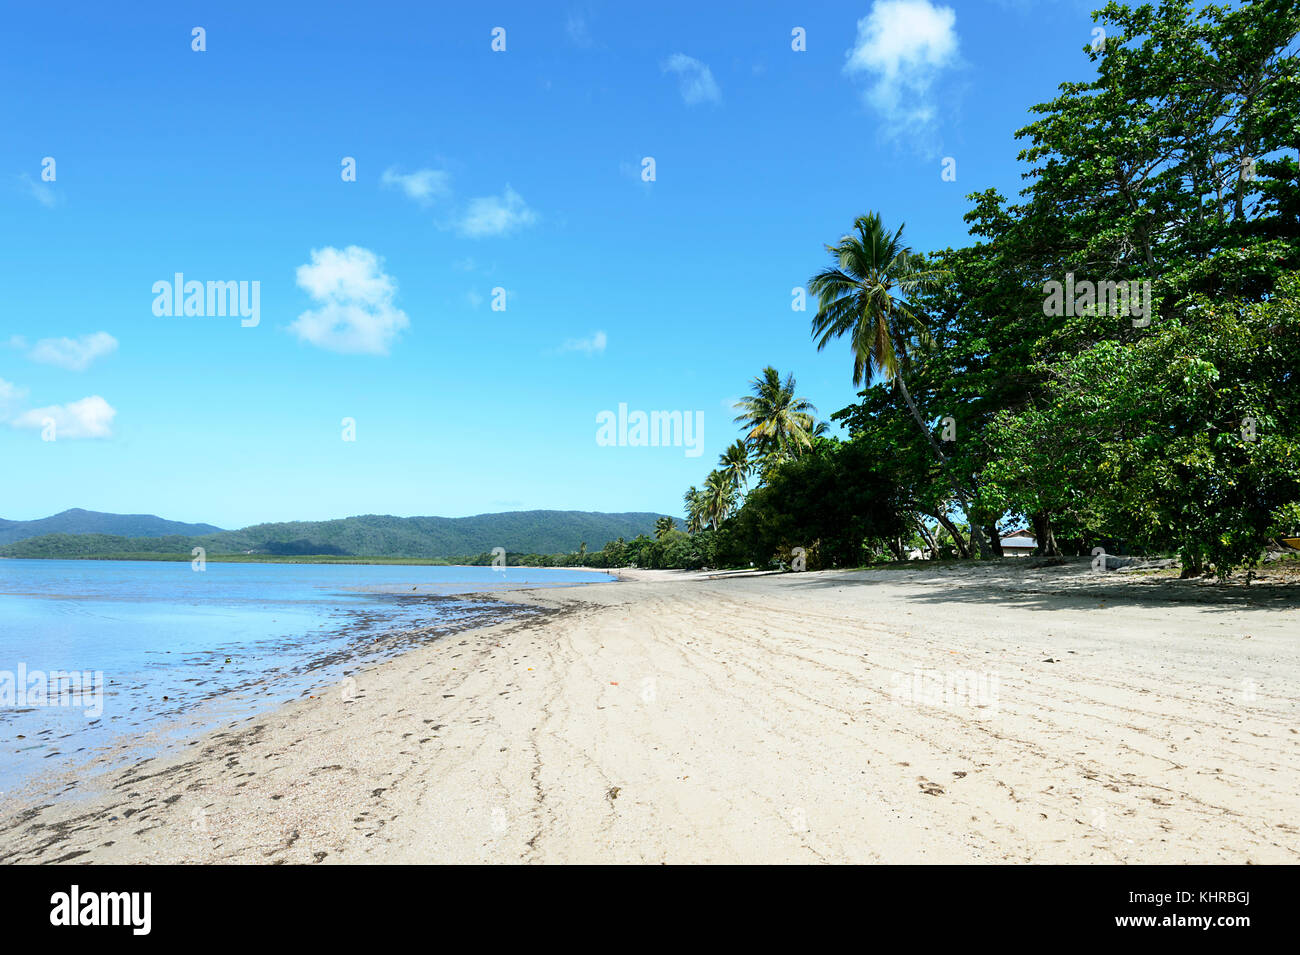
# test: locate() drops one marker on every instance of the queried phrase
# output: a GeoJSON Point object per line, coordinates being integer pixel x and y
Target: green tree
{"type": "Point", "coordinates": [1187, 439]}
{"type": "Point", "coordinates": [836, 503]}
{"type": "Point", "coordinates": [719, 498]}
{"type": "Point", "coordinates": [776, 421]}
{"type": "Point", "coordinates": [695, 510]}
{"type": "Point", "coordinates": [735, 464]}
{"type": "Point", "coordinates": [864, 295]}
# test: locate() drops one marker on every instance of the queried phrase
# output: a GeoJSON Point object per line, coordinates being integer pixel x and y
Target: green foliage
{"type": "Point", "coordinates": [78, 521]}
{"type": "Point", "coordinates": [834, 502]}
{"type": "Point", "coordinates": [538, 532]}
{"type": "Point", "coordinates": [95, 545]}
{"type": "Point", "coordinates": [1175, 166]}
{"type": "Point", "coordinates": [864, 296]}
{"type": "Point", "coordinates": [1185, 440]}
{"type": "Point", "coordinates": [776, 421]}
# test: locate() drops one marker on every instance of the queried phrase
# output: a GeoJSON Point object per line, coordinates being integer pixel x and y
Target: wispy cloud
{"type": "Point", "coordinates": [74, 354]}
{"type": "Point", "coordinates": [902, 48]}
{"type": "Point", "coordinates": [694, 80]}
{"type": "Point", "coordinates": [479, 218]}
{"type": "Point", "coordinates": [11, 397]}
{"type": "Point", "coordinates": [578, 29]}
{"type": "Point", "coordinates": [42, 192]}
{"type": "Point", "coordinates": [423, 185]}
{"type": "Point", "coordinates": [496, 215]}
{"type": "Point", "coordinates": [595, 345]}
{"type": "Point", "coordinates": [356, 314]}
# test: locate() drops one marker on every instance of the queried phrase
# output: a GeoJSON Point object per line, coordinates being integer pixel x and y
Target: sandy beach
{"type": "Point", "coordinates": [939, 715]}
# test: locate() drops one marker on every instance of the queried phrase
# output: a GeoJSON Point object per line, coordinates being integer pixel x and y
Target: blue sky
{"type": "Point", "coordinates": [475, 170]}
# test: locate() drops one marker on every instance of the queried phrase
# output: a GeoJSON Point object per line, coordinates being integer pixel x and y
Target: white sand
{"type": "Point", "coordinates": [757, 719]}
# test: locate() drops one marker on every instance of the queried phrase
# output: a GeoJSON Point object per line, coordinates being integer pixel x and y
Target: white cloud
{"type": "Point", "coordinates": [479, 218]}
{"type": "Point", "coordinates": [423, 185]}
{"type": "Point", "coordinates": [355, 297]}
{"type": "Point", "coordinates": [75, 354]}
{"type": "Point", "coordinates": [496, 215]}
{"type": "Point", "coordinates": [42, 192]}
{"type": "Point", "coordinates": [590, 346]}
{"type": "Point", "coordinates": [11, 396]}
{"type": "Point", "coordinates": [902, 46]}
{"type": "Point", "coordinates": [88, 418]}
{"type": "Point", "coordinates": [694, 79]}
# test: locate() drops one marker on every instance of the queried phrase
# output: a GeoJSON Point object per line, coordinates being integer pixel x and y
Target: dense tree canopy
{"type": "Point", "coordinates": [1114, 357]}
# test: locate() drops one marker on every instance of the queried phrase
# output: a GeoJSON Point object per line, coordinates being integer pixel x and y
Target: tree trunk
{"type": "Point", "coordinates": [925, 536]}
{"type": "Point", "coordinates": [1192, 566]}
{"type": "Point", "coordinates": [1047, 546]}
{"type": "Point", "coordinates": [947, 525]}
{"type": "Point", "coordinates": [995, 542]}
{"type": "Point", "coordinates": [977, 538]}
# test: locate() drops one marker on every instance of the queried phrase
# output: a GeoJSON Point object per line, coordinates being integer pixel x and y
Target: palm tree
{"type": "Point", "coordinates": [694, 502]}
{"type": "Point", "coordinates": [864, 295]}
{"type": "Point", "coordinates": [777, 420]}
{"type": "Point", "coordinates": [719, 498]}
{"type": "Point", "coordinates": [735, 464]}
{"type": "Point", "coordinates": [663, 525]}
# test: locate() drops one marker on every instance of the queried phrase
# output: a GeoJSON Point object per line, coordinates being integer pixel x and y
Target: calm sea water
{"type": "Point", "coordinates": [95, 652]}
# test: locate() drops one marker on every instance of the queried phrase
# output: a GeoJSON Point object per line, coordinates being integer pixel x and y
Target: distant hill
{"type": "Point", "coordinates": [78, 521]}
{"type": "Point", "coordinates": [371, 535]}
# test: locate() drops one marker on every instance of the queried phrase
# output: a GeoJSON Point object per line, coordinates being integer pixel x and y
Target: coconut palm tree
{"type": "Point", "coordinates": [662, 526]}
{"type": "Point", "coordinates": [775, 418]}
{"type": "Point", "coordinates": [694, 502]}
{"type": "Point", "coordinates": [865, 295]}
{"type": "Point", "coordinates": [735, 464]}
{"type": "Point", "coordinates": [719, 498]}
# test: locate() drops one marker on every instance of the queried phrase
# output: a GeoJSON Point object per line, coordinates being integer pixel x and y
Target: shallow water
{"type": "Point", "coordinates": [151, 640]}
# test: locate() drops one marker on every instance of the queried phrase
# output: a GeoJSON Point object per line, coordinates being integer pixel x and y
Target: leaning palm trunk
{"type": "Point", "coordinates": [925, 536]}
{"type": "Point", "coordinates": [958, 541]}
{"type": "Point", "coordinates": [856, 296]}
{"type": "Point", "coordinates": [977, 538]}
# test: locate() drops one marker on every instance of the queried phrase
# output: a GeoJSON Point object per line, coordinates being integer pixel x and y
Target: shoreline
{"type": "Point", "coordinates": [666, 718]}
{"type": "Point", "coordinates": [158, 737]}
{"type": "Point", "coordinates": [319, 559]}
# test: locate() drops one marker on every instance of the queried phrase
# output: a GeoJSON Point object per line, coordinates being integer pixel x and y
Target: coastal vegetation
{"type": "Point", "coordinates": [1162, 416]}
{"type": "Point", "coordinates": [79, 521]}
{"type": "Point", "coordinates": [369, 536]}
